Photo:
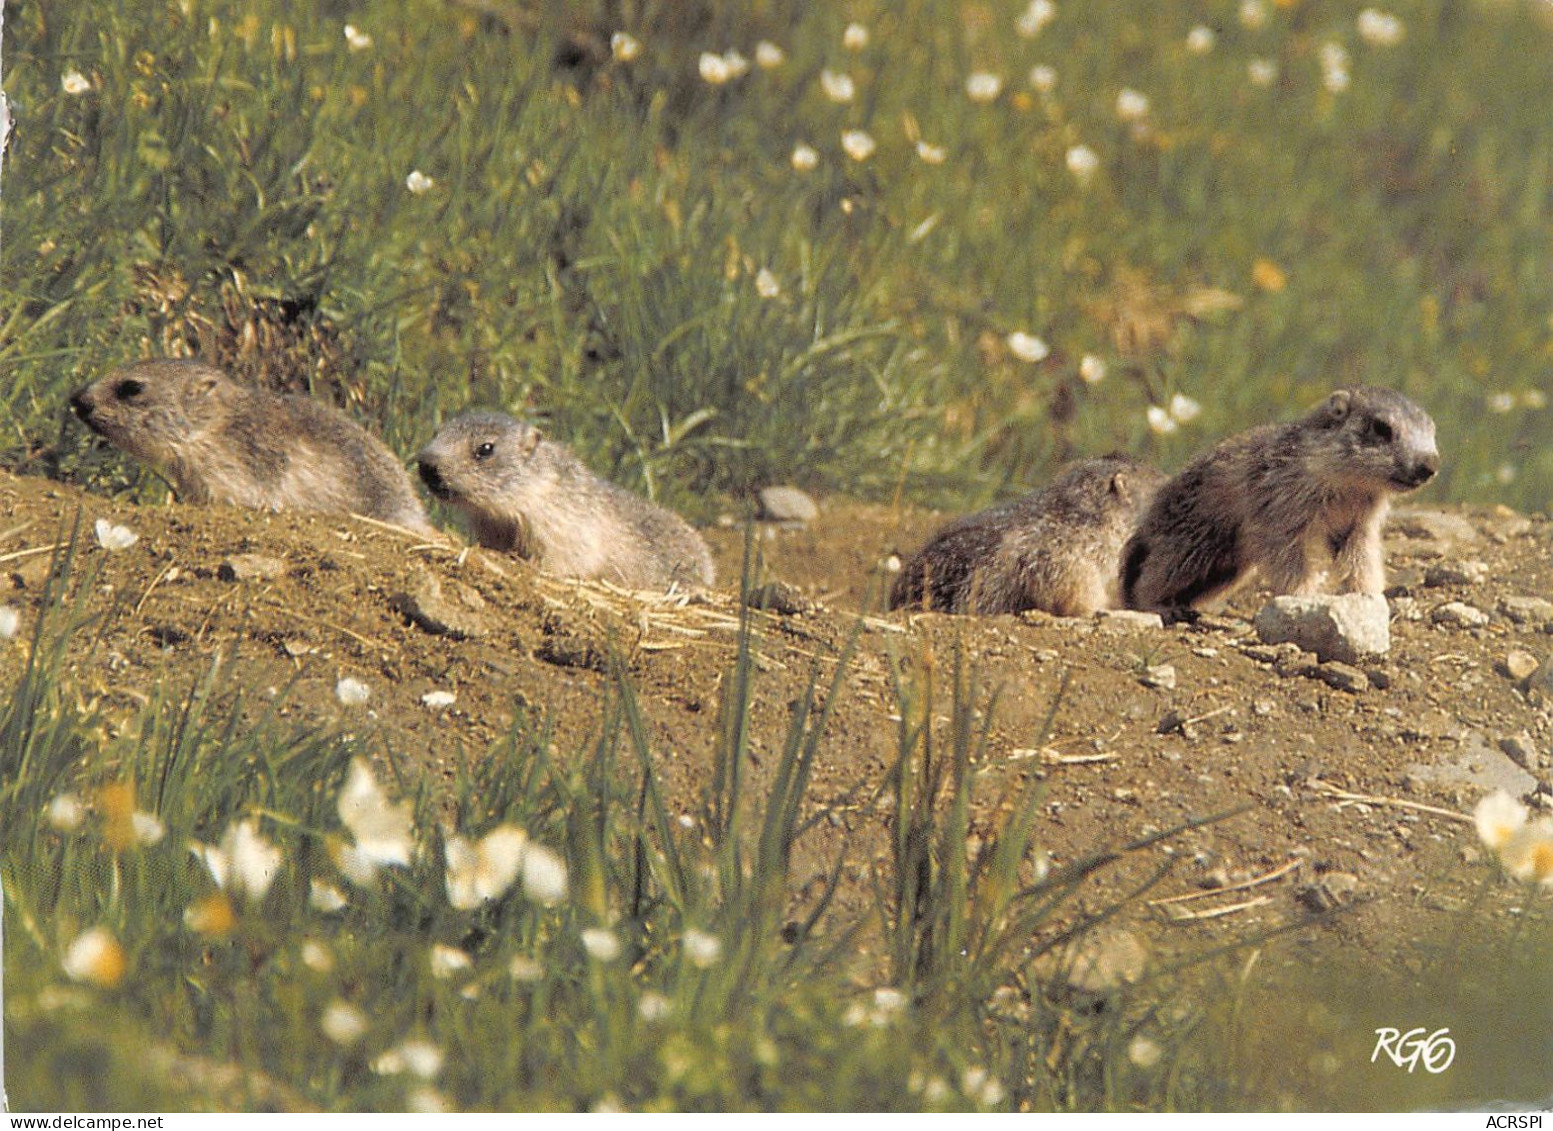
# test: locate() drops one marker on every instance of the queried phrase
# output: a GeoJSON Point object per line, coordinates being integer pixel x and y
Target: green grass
{"type": "Point", "coordinates": [235, 182]}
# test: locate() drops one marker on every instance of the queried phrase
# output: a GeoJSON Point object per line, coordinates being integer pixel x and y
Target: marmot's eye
{"type": "Point", "coordinates": [1381, 431]}
{"type": "Point", "coordinates": [128, 389]}
{"type": "Point", "coordinates": [485, 450]}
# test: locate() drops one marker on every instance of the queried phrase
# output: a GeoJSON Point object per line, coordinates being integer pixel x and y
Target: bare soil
{"type": "Point", "coordinates": [1356, 799]}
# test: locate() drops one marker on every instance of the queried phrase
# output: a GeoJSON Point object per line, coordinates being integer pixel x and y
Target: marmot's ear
{"type": "Point", "coordinates": [531, 439]}
{"type": "Point", "coordinates": [1119, 483]}
{"type": "Point", "coordinates": [203, 381]}
{"type": "Point", "coordinates": [1335, 411]}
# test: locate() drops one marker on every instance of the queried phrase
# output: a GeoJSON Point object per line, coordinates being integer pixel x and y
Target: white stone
{"type": "Point", "coordinates": [1346, 628]}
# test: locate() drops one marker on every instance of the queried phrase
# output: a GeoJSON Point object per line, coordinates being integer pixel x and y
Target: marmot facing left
{"type": "Point", "coordinates": [218, 441]}
{"type": "Point", "coordinates": [1300, 504]}
{"type": "Point", "coordinates": [1056, 549]}
{"type": "Point", "coordinates": [533, 497]}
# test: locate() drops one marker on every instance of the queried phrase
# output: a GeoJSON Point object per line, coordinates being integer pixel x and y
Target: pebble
{"type": "Point", "coordinates": [426, 606]}
{"type": "Point", "coordinates": [251, 567]}
{"type": "Point", "coordinates": [1330, 891]}
{"type": "Point", "coordinates": [1527, 610]}
{"type": "Point", "coordinates": [1129, 620]}
{"type": "Point", "coordinates": [1459, 573]}
{"type": "Point", "coordinates": [1437, 525]}
{"type": "Point", "coordinates": [1459, 614]}
{"type": "Point", "coordinates": [1162, 676]}
{"type": "Point", "coordinates": [1521, 750]}
{"type": "Point", "coordinates": [778, 597]}
{"type": "Point", "coordinates": [1344, 628]}
{"type": "Point", "coordinates": [1519, 665]}
{"type": "Point", "coordinates": [786, 504]}
{"type": "Point", "coordinates": [1343, 677]}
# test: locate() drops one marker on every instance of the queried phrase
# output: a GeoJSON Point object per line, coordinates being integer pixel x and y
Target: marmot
{"type": "Point", "coordinates": [1056, 549]}
{"type": "Point", "coordinates": [1301, 504]}
{"type": "Point", "coordinates": [218, 441]}
{"type": "Point", "coordinates": [529, 495]}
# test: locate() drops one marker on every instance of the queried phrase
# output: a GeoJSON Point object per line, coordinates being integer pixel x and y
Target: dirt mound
{"type": "Point", "coordinates": [1351, 782]}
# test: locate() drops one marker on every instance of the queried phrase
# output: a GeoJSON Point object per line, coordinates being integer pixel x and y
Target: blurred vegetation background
{"type": "Point", "coordinates": [1228, 205]}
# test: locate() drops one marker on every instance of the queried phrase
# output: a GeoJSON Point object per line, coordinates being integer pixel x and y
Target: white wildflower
{"type": "Point", "coordinates": [1334, 66]}
{"type": "Point", "coordinates": [148, 829]}
{"type": "Point", "coordinates": [804, 157]}
{"type": "Point", "coordinates": [1184, 409]}
{"type": "Point", "coordinates": [1379, 29]}
{"type": "Point", "coordinates": [1498, 817]}
{"type": "Point", "coordinates": [1043, 78]}
{"type": "Point", "coordinates": [983, 86]}
{"type": "Point", "coordinates": [95, 957]}
{"type": "Point", "coordinates": [316, 956]}
{"type": "Point", "coordinates": [1161, 423]}
{"type": "Point", "coordinates": [1501, 403]}
{"type": "Point", "coordinates": [931, 154]}
{"type": "Point", "coordinates": [714, 68]}
{"type": "Point", "coordinates": [477, 872]}
{"type": "Point", "coordinates": [1083, 162]}
{"type": "Point", "coordinates": [10, 622]}
{"type": "Point", "coordinates": [66, 813]}
{"type": "Point", "coordinates": [768, 56]}
{"type": "Point", "coordinates": [244, 863]}
{"type": "Point", "coordinates": [837, 85]}
{"type": "Point", "coordinates": [351, 691]}
{"type": "Point", "coordinates": [436, 700]}
{"type": "Point", "coordinates": [980, 1086]}
{"type": "Point", "coordinates": [701, 949]}
{"type": "Point", "coordinates": [111, 537]}
{"type": "Point", "coordinates": [1262, 72]}
{"type": "Point", "coordinates": [766, 284]}
{"type": "Point", "coordinates": [417, 1057]}
{"type": "Point", "coordinates": [1091, 369]}
{"type": "Point", "coordinates": [1144, 1052]}
{"type": "Point", "coordinates": [855, 37]}
{"type": "Point", "coordinates": [325, 897]}
{"type": "Point", "coordinates": [738, 66]}
{"type": "Point", "coordinates": [1253, 14]}
{"type": "Point", "coordinates": [1035, 17]}
{"type": "Point", "coordinates": [1534, 399]}
{"type": "Point", "coordinates": [601, 944]}
{"type": "Point", "coordinates": [653, 1006]}
{"type": "Point", "coordinates": [1027, 347]}
{"type": "Point", "coordinates": [383, 831]}
{"type": "Point", "coordinates": [544, 875]}
{"type": "Point", "coordinates": [858, 144]}
{"type": "Point", "coordinates": [889, 1002]}
{"type": "Point", "coordinates": [624, 46]}
{"type": "Point", "coordinates": [418, 182]}
{"type": "Point", "coordinates": [1528, 854]}
{"type": "Point", "coordinates": [1200, 40]}
{"type": "Point", "coordinates": [342, 1022]}
{"type": "Point", "coordinates": [445, 961]}
{"type": "Point", "coordinates": [426, 1101]}
{"type": "Point", "coordinates": [1505, 474]}
{"type": "Point", "coordinates": [1131, 106]}
{"type": "Point", "coordinates": [356, 39]}
{"type": "Point", "coordinates": [74, 82]}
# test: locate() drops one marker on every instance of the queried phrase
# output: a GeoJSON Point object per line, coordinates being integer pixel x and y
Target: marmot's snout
{"type": "Point", "coordinates": [1419, 472]}
{"type": "Point", "coordinates": [432, 477]}
{"type": "Point", "coordinates": [80, 405]}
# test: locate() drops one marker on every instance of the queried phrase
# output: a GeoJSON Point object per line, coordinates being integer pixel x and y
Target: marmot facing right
{"type": "Point", "coordinates": [1056, 549]}
{"type": "Point", "coordinates": [1302, 504]}
{"type": "Point", "coordinates": [533, 497]}
{"type": "Point", "coordinates": [221, 442]}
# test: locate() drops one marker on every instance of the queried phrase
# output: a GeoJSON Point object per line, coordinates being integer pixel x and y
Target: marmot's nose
{"type": "Point", "coordinates": [431, 477]}
{"type": "Point", "coordinates": [1423, 470]}
{"type": "Point", "coordinates": [80, 405]}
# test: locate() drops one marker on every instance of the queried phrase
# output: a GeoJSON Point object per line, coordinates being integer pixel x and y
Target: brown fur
{"type": "Point", "coordinates": [1299, 504]}
{"type": "Point", "coordinates": [218, 441]}
{"type": "Point", "coordinates": [1056, 549]}
{"type": "Point", "coordinates": [533, 497]}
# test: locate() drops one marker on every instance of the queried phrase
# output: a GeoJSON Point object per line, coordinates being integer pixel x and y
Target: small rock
{"type": "Point", "coordinates": [1518, 664]}
{"type": "Point", "coordinates": [787, 505]}
{"type": "Point", "coordinates": [778, 597]}
{"type": "Point", "coordinates": [1459, 614]}
{"type": "Point", "coordinates": [1344, 628]}
{"type": "Point", "coordinates": [1527, 610]}
{"type": "Point", "coordinates": [1162, 676]}
{"type": "Point", "coordinates": [427, 607]}
{"type": "Point", "coordinates": [1460, 573]}
{"type": "Point", "coordinates": [251, 567]}
{"type": "Point", "coordinates": [1436, 525]}
{"type": "Point", "coordinates": [1330, 891]}
{"type": "Point", "coordinates": [436, 700]}
{"type": "Point", "coordinates": [1379, 679]}
{"type": "Point", "coordinates": [1129, 620]}
{"type": "Point", "coordinates": [1106, 960]}
{"type": "Point", "coordinates": [1406, 608]}
{"type": "Point", "coordinates": [1521, 750]}
{"type": "Point", "coordinates": [1343, 677]}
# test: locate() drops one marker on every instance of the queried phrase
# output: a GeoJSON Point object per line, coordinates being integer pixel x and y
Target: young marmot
{"type": "Point", "coordinates": [533, 497]}
{"type": "Point", "coordinates": [1301, 504]}
{"type": "Point", "coordinates": [218, 441]}
{"type": "Point", "coordinates": [1056, 549]}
